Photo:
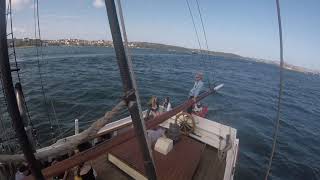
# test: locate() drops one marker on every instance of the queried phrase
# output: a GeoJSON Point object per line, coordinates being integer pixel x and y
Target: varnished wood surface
{"type": "Point", "coordinates": [106, 170]}
{"type": "Point", "coordinates": [179, 164]}
{"type": "Point", "coordinates": [209, 167]}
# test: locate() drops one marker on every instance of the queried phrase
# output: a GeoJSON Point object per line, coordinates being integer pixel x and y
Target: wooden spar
{"type": "Point", "coordinates": [23, 114]}
{"type": "Point", "coordinates": [104, 147]}
{"type": "Point", "coordinates": [11, 97]}
{"type": "Point", "coordinates": [166, 115]}
{"type": "Point", "coordinates": [129, 90]}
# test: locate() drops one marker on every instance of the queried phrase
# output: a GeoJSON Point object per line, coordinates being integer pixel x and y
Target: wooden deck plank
{"type": "Point", "coordinates": [210, 167]}
{"type": "Point", "coordinates": [106, 170]}
{"type": "Point", "coordinates": [179, 164]}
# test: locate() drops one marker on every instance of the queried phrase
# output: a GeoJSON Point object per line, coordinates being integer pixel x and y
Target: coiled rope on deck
{"type": "Point", "coordinates": [277, 123]}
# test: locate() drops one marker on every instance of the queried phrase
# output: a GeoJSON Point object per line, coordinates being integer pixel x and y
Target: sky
{"type": "Point", "coordinates": [245, 27]}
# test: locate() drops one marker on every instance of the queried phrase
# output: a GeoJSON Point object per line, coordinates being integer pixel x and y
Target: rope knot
{"type": "Point", "coordinates": [129, 96]}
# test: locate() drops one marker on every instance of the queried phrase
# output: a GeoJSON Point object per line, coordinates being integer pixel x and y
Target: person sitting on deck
{"type": "Point", "coordinates": [197, 87]}
{"type": "Point", "coordinates": [153, 107]}
{"type": "Point", "coordinates": [167, 104]}
{"type": "Point", "coordinates": [197, 107]}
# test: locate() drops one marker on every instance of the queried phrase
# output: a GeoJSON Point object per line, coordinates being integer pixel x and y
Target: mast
{"type": "Point", "coordinates": [11, 98]}
{"type": "Point", "coordinates": [130, 95]}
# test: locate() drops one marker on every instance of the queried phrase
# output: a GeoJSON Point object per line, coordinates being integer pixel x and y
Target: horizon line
{"type": "Point", "coordinates": [247, 57]}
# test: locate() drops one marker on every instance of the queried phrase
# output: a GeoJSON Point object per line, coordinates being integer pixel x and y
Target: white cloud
{"type": "Point", "coordinates": [19, 4]}
{"type": "Point", "coordinates": [98, 3]}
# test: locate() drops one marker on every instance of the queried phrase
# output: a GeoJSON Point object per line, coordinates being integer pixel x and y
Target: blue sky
{"type": "Point", "coordinates": [245, 27]}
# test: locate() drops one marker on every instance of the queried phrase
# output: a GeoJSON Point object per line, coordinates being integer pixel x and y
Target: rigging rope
{"type": "Point", "coordinates": [8, 12]}
{"type": "Point", "coordinates": [13, 44]}
{"type": "Point", "coordinates": [17, 69]}
{"type": "Point", "coordinates": [206, 41]}
{"type": "Point", "coordinates": [198, 39]}
{"type": "Point", "coordinates": [55, 117]}
{"type": "Point", "coordinates": [194, 26]}
{"type": "Point", "coordinates": [37, 33]}
{"type": "Point", "coordinates": [5, 137]}
{"type": "Point", "coordinates": [130, 65]}
{"type": "Point", "coordinates": [14, 64]}
{"type": "Point", "coordinates": [202, 24]}
{"type": "Point", "coordinates": [3, 125]}
{"type": "Point", "coordinates": [277, 123]}
{"type": "Point", "coordinates": [221, 150]}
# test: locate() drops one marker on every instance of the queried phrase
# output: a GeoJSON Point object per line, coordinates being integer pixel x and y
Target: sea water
{"type": "Point", "coordinates": [84, 82]}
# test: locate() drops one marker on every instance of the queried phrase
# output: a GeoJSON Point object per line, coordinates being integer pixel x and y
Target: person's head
{"type": "Point", "coordinates": [167, 99]}
{"type": "Point", "coordinates": [154, 100]}
{"type": "Point", "coordinates": [24, 169]}
{"type": "Point", "coordinates": [199, 76]}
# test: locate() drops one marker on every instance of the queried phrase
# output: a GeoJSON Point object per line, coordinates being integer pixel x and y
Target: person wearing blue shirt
{"type": "Point", "coordinates": [195, 91]}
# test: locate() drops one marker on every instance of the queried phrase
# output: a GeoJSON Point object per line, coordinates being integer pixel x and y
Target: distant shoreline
{"type": "Point", "coordinates": [28, 43]}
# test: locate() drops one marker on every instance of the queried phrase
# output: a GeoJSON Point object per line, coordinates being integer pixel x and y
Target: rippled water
{"type": "Point", "coordinates": [84, 82]}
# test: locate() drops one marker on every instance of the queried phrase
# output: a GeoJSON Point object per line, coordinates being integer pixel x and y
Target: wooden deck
{"type": "Point", "coordinates": [205, 164]}
{"type": "Point", "coordinates": [208, 167]}
{"type": "Point", "coordinates": [179, 164]}
{"type": "Point", "coordinates": [106, 170]}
